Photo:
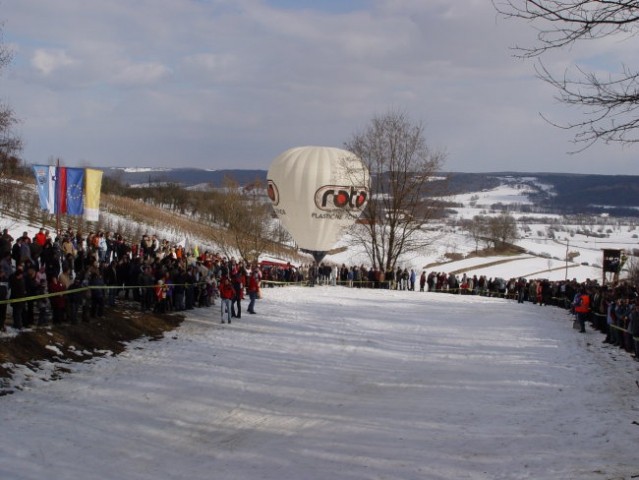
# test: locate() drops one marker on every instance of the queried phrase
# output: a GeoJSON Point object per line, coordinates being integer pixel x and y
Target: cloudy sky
{"type": "Point", "coordinates": [233, 83]}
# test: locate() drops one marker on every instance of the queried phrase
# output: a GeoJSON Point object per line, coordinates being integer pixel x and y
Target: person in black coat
{"type": "Point", "coordinates": [238, 295]}
{"type": "Point", "coordinates": [18, 290]}
{"type": "Point", "coordinates": [4, 293]}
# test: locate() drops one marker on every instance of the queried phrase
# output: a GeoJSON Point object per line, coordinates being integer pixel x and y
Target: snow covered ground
{"type": "Point", "coordinates": [337, 383]}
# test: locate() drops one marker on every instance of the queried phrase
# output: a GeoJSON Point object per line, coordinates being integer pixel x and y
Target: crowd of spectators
{"type": "Point", "coordinates": [45, 277]}
{"type": "Point", "coordinates": [164, 277]}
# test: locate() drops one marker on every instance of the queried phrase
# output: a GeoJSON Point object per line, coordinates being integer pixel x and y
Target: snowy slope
{"type": "Point", "coordinates": [336, 383]}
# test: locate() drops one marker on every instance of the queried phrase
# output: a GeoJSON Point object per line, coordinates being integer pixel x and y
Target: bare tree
{"type": "Point", "coordinates": [246, 214]}
{"type": "Point", "coordinates": [476, 228]}
{"type": "Point", "coordinates": [9, 143]}
{"type": "Point", "coordinates": [402, 168]}
{"type": "Point", "coordinates": [609, 102]}
{"type": "Point", "coordinates": [502, 230]}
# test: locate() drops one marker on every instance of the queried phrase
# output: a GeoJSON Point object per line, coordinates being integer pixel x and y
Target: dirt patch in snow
{"type": "Point", "coordinates": [62, 344]}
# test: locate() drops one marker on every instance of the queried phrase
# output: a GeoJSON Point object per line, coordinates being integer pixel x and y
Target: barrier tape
{"type": "Point", "coordinates": [91, 287]}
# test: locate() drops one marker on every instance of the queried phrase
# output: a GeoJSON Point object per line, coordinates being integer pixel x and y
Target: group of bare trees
{"type": "Point", "coordinates": [497, 232]}
{"type": "Point", "coordinates": [245, 215]}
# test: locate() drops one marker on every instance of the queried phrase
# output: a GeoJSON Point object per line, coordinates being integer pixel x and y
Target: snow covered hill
{"type": "Point", "coordinates": [546, 239]}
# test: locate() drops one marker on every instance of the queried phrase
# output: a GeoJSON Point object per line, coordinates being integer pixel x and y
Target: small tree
{"type": "Point", "coordinates": [476, 228]}
{"type": "Point", "coordinates": [402, 168]}
{"type": "Point", "coordinates": [502, 230]}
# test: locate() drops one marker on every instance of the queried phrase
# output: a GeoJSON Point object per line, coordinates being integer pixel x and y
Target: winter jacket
{"type": "Point", "coordinates": [226, 290]}
{"type": "Point", "coordinates": [583, 306]}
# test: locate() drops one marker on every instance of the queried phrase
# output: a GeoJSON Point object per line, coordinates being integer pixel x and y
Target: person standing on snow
{"type": "Point", "coordinates": [253, 289]}
{"type": "Point", "coordinates": [226, 295]}
{"type": "Point", "coordinates": [582, 309]}
{"type": "Point", "coordinates": [238, 295]}
{"type": "Point", "coordinates": [4, 293]}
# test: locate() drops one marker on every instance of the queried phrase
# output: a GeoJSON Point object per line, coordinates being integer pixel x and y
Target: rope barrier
{"type": "Point", "coordinates": [93, 287]}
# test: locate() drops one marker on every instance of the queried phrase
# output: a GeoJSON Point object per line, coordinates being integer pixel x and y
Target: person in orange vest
{"type": "Point", "coordinates": [582, 309]}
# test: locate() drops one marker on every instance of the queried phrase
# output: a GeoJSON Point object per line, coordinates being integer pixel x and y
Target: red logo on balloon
{"type": "Point", "coordinates": [331, 197]}
{"type": "Point", "coordinates": [273, 192]}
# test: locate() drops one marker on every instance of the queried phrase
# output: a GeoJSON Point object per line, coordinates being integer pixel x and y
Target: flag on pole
{"type": "Point", "coordinates": [73, 191]}
{"type": "Point", "coordinates": [93, 184]}
{"type": "Point", "coordinates": [45, 184]}
{"type": "Point", "coordinates": [61, 190]}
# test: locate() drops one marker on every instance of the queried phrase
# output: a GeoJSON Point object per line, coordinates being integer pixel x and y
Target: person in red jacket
{"type": "Point", "coordinates": [41, 237]}
{"type": "Point", "coordinates": [253, 288]}
{"type": "Point", "coordinates": [226, 295]}
{"type": "Point", "coordinates": [57, 302]}
{"type": "Point", "coordinates": [582, 309]}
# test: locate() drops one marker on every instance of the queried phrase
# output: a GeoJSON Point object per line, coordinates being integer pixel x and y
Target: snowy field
{"type": "Point", "coordinates": [335, 383]}
{"type": "Point", "coordinates": [546, 241]}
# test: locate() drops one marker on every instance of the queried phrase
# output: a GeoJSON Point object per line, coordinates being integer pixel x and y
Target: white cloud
{"type": "Point", "coordinates": [141, 74]}
{"type": "Point", "coordinates": [47, 61]}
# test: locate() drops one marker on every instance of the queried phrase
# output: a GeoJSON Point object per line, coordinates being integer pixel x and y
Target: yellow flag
{"type": "Point", "coordinates": [93, 184]}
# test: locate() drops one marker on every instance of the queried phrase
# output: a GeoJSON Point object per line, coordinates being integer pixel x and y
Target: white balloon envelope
{"type": "Point", "coordinates": [316, 193]}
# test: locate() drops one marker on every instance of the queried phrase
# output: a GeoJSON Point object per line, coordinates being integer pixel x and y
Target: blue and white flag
{"type": "Point", "coordinates": [45, 183]}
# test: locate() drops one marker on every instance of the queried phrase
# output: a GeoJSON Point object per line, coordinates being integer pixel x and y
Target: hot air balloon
{"type": "Point", "coordinates": [316, 193]}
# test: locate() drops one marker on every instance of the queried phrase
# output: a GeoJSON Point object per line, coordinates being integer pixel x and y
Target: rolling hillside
{"type": "Point", "coordinates": [545, 239]}
{"type": "Point", "coordinates": [565, 193]}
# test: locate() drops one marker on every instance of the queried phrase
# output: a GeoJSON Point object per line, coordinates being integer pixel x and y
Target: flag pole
{"type": "Point", "coordinates": [57, 210]}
